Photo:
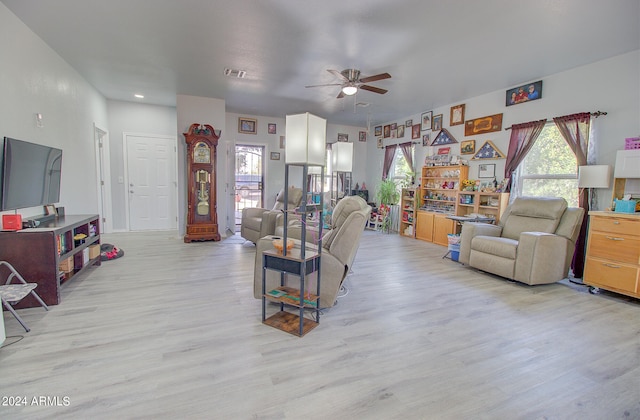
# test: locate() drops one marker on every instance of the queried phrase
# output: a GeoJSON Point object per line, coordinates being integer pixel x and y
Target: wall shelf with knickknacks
{"type": "Point", "coordinates": [439, 197]}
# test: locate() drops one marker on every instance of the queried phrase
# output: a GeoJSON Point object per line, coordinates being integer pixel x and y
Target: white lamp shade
{"type": "Point", "coordinates": [342, 157]}
{"type": "Point", "coordinates": [594, 176]}
{"type": "Point", "coordinates": [306, 139]}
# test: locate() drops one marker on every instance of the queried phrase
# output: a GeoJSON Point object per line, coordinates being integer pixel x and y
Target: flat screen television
{"type": "Point", "coordinates": [30, 174]}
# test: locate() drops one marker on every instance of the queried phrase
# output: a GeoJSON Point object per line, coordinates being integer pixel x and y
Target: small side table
{"type": "Point", "coordinates": [292, 263]}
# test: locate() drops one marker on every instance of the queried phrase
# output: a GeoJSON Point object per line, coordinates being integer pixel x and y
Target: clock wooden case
{"type": "Point", "coordinates": [202, 218]}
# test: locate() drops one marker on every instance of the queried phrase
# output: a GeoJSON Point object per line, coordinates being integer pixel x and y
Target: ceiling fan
{"type": "Point", "coordinates": [351, 82]}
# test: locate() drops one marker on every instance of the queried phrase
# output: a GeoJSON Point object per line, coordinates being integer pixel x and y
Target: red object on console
{"type": "Point", "coordinates": [11, 221]}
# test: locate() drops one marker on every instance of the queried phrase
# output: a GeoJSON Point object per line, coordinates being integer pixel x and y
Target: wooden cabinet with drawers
{"type": "Point", "coordinates": [613, 252]}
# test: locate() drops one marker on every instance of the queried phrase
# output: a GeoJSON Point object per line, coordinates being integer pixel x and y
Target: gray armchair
{"type": "Point", "coordinates": [258, 222]}
{"type": "Point", "coordinates": [339, 246]}
{"type": "Point", "coordinates": [533, 243]}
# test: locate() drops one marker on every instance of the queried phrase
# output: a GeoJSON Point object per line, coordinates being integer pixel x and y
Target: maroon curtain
{"type": "Point", "coordinates": [408, 156]}
{"type": "Point", "coordinates": [523, 136]}
{"type": "Point", "coordinates": [575, 130]}
{"type": "Point", "coordinates": [389, 153]}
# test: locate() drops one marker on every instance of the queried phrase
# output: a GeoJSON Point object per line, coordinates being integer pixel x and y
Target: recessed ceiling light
{"type": "Point", "coordinates": [139, 96]}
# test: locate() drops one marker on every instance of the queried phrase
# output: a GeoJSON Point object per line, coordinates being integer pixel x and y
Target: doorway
{"type": "Point", "coordinates": [151, 179]}
{"type": "Point", "coordinates": [249, 179]}
{"type": "Point", "coordinates": [101, 138]}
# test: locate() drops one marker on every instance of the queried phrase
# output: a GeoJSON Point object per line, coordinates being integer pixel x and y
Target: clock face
{"type": "Point", "coordinates": [201, 153]}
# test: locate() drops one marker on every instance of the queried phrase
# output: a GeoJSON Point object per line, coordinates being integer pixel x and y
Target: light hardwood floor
{"type": "Point", "coordinates": [172, 330]}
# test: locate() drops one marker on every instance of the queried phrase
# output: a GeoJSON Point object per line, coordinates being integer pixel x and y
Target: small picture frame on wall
{"type": "Point", "coordinates": [425, 139]}
{"type": "Point", "coordinates": [380, 143]}
{"type": "Point", "coordinates": [408, 123]}
{"type": "Point", "coordinates": [400, 131]}
{"type": "Point", "coordinates": [247, 125]}
{"type": "Point", "coordinates": [457, 115]}
{"type": "Point", "coordinates": [487, 170]}
{"type": "Point", "coordinates": [425, 119]}
{"type": "Point", "coordinates": [362, 136]}
{"type": "Point", "coordinates": [271, 128]}
{"type": "Point", "coordinates": [275, 155]}
{"type": "Point", "coordinates": [415, 131]}
{"type": "Point", "coordinates": [467, 147]}
{"type": "Point", "coordinates": [378, 131]}
{"type": "Point", "coordinates": [343, 137]}
{"type": "Point", "coordinates": [436, 122]}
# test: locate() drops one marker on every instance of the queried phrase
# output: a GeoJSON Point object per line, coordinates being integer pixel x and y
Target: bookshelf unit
{"type": "Point", "coordinates": [489, 204]}
{"type": "Point", "coordinates": [408, 206]}
{"type": "Point", "coordinates": [49, 255]}
{"type": "Point", "coordinates": [439, 197]}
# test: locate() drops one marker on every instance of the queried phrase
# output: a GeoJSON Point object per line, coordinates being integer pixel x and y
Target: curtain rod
{"type": "Point", "coordinates": [550, 120]}
{"type": "Point", "coordinates": [398, 144]}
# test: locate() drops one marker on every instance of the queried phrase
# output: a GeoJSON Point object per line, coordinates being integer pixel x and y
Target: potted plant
{"type": "Point", "coordinates": [388, 192]}
{"type": "Point", "coordinates": [387, 195]}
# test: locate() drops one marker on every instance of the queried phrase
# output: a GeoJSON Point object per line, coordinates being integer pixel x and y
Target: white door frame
{"type": "Point", "coordinates": [103, 169]}
{"type": "Point", "coordinates": [125, 155]}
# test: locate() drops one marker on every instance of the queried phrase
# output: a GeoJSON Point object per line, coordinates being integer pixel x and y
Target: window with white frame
{"type": "Point", "coordinates": [550, 169]}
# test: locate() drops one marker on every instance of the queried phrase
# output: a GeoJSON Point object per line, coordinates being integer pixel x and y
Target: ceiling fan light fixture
{"type": "Point", "coordinates": [349, 90]}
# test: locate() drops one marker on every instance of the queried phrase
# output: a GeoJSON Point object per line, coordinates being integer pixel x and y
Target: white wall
{"type": "Point", "coordinates": [274, 169]}
{"type": "Point", "coordinates": [34, 79]}
{"type": "Point", "coordinates": [130, 117]}
{"type": "Point", "coordinates": [611, 85]}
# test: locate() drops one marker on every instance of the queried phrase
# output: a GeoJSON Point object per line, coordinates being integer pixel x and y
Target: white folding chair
{"type": "Point", "coordinates": [12, 293]}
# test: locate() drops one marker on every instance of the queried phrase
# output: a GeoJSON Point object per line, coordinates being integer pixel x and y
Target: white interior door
{"type": "Point", "coordinates": [151, 182]}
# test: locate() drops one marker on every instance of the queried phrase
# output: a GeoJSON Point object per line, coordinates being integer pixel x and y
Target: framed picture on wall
{"type": "Point", "coordinates": [247, 125]}
{"type": "Point", "coordinates": [425, 119]}
{"type": "Point", "coordinates": [271, 128]}
{"type": "Point", "coordinates": [457, 115]}
{"type": "Point", "coordinates": [275, 156]}
{"type": "Point", "coordinates": [525, 93]}
{"type": "Point", "coordinates": [487, 170]}
{"type": "Point", "coordinates": [436, 122]}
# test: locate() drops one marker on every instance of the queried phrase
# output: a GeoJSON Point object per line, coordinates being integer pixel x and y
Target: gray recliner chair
{"type": "Point", "coordinates": [339, 246]}
{"type": "Point", "coordinates": [533, 243]}
{"type": "Point", "coordinates": [258, 222]}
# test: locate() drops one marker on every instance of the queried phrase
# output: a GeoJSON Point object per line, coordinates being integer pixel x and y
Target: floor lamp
{"type": "Point", "coordinates": [590, 177]}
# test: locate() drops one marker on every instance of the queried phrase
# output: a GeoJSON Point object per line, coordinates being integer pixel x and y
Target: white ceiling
{"type": "Point", "coordinates": [438, 52]}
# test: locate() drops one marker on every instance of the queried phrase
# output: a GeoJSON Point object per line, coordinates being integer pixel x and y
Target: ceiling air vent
{"type": "Point", "coordinates": [240, 74]}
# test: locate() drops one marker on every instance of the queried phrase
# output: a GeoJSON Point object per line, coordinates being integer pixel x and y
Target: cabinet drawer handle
{"type": "Point", "coordinates": [610, 265]}
{"type": "Point", "coordinates": [613, 238]}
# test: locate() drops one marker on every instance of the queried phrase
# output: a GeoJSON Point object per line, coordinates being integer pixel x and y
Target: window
{"type": "Point", "coordinates": [550, 168]}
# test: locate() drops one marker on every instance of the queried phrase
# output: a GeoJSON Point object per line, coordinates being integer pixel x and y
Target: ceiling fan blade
{"type": "Point", "coordinates": [340, 95]}
{"type": "Point", "coordinates": [328, 84]}
{"type": "Point", "coordinates": [375, 77]}
{"type": "Point", "coordinates": [373, 89]}
{"type": "Point", "coordinates": [338, 75]}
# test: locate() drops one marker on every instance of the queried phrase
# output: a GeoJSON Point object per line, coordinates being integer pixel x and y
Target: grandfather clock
{"type": "Point", "coordinates": [202, 218]}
